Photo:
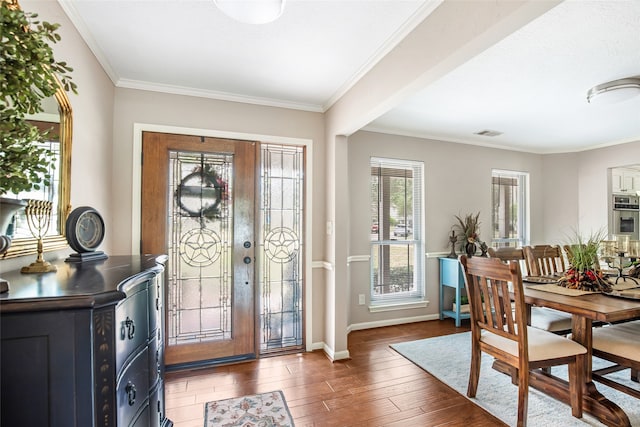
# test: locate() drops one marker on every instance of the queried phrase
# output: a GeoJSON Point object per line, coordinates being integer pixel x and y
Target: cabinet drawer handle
{"type": "Point", "coordinates": [131, 393]}
{"type": "Point", "coordinates": [128, 329]}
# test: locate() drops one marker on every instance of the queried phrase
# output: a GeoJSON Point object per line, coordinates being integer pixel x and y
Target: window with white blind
{"type": "Point", "coordinates": [510, 218]}
{"type": "Point", "coordinates": [396, 230]}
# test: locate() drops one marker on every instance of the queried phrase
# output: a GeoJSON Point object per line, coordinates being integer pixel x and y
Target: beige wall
{"type": "Point", "coordinates": [457, 180]}
{"type": "Point", "coordinates": [191, 115]}
{"type": "Point", "coordinates": [577, 190]}
{"type": "Point", "coordinates": [568, 193]}
{"type": "Point", "coordinates": [560, 214]}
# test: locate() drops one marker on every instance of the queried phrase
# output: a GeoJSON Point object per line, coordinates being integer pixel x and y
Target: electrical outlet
{"type": "Point", "coordinates": [361, 299]}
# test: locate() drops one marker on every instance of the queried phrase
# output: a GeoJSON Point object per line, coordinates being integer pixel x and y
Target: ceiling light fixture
{"type": "Point", "coordinates": [614, 91]}
{"type": "Point", "coordinates": [252, 11]}
{"type": "Point", "coordinates": [488, 132]}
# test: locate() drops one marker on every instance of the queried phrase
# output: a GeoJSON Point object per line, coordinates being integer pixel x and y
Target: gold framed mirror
{"type": "Point", "coordinates": [57, 116]}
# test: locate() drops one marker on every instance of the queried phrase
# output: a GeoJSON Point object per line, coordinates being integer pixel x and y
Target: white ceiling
{"type": "Point", "coordinates": [531, 86]}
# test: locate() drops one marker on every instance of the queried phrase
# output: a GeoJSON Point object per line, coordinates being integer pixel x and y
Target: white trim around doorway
{"type": "Point", "coordinates": [136, 168]}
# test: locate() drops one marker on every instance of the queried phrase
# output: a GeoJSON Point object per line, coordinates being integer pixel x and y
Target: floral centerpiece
{"type": "Point", "coordinates": [584, 272]}
{"type": "Point", "coordinates": [469, 228]}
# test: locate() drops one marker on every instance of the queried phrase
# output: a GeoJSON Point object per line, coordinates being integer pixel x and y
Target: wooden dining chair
{"type": "Point", "coordinates": [509, 254]}
{"type": "Point", "coordinates": [502, 332]}
{"type": "Point", "coordinates": [620, 344]}
{"type": "Point", "coordinates": [544, 318]}
{"type": "Point", "coordinates": [544, 260]}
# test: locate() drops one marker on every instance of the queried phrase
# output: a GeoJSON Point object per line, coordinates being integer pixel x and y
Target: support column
{"type": "Point", "coordinates": [337, 291]}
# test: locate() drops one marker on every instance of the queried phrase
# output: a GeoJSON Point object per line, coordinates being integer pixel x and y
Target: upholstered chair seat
{"type": "Point", "coordinates": [550, 320]}
{"type": "Point", "coordinates": [542, 345]}
{"type": "Point", "coordinates": [620, 344]}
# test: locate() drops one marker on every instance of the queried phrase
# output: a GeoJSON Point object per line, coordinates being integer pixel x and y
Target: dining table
{"type": "Point", "coordinates": [585, 309]}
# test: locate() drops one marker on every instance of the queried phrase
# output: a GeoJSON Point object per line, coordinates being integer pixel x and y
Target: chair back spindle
{"type": "Point", "coordinates": [544, 260]}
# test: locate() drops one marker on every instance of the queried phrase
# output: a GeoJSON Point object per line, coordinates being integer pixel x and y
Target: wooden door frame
{"type": "Point", "coordinates": [136, 185]}
{"type": "Point", "coordinates": [157, 149]}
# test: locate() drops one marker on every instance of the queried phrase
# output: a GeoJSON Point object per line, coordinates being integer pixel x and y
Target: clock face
{"type": "Point", "coordinates": [89, 229]}
{"type": "Point", "coordinates": [85, 229]}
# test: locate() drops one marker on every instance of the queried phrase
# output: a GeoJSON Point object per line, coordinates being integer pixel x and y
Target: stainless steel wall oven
{"type": "Point", "coordinates": [626, 215]}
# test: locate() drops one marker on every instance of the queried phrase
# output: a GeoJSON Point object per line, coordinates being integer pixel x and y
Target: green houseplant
{"type": "Point", "coordinates": [29, 73]}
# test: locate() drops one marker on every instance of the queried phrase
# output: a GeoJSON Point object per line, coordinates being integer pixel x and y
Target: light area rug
{"type": "Point", "coordinates": [448, 359]}
{"type": "Point", "coordinates": [263, 410]}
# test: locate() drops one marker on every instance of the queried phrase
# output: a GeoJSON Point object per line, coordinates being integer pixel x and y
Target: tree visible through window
{"type": "Point", "coordinates": [396, 224]}
{"type": "Point", "coordinates": [510, 216]}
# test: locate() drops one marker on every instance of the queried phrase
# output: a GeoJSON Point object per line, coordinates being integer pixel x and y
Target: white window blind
{"type": "Point", "coordinates": [396, 229]}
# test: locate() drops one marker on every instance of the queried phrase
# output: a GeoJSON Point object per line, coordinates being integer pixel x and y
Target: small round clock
{"type": "Point", "coordinates": [84, 229]}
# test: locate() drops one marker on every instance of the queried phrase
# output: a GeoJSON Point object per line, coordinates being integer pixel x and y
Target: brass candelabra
{"type": "Point", "coordinates": [38, 214]}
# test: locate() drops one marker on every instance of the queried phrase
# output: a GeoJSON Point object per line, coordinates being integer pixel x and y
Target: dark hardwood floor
{"type": "Point", "coordinates": [376, 387]}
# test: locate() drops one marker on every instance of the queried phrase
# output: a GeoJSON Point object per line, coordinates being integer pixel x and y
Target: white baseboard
{"type": "Point", "coordinates": [391, 322]}
{"type": "Point", "coordinates": [340, 355]}
{"type": "Point", "coordinates": [331, 354]}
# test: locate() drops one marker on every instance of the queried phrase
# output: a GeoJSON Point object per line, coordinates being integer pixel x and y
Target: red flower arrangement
{"type": "Point", "coordinates": [585, 280]}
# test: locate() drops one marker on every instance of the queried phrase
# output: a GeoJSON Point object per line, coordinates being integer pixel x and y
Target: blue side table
{"type": "Point", "coordinates": [452, 276]}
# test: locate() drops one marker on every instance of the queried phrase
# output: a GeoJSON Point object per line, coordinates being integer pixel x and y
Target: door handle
{"type": "Point", "coordinates": [130, 389]}
{"type": "Point", "coordinates": [247, 260]}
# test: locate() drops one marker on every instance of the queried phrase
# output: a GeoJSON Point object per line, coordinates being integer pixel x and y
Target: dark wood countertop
{"type": "Point", "coordinates": [76, 285]}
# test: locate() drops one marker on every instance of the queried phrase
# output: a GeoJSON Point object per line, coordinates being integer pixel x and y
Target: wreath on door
{"type": "Point", "coordinates": [201, 192]}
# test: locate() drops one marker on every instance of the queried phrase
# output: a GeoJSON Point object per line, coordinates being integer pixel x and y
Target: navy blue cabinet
{"type": "Point", "coordinates": [84, 346]}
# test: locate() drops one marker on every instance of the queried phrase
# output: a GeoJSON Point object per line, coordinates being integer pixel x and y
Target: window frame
{"type": "Point", "coordinates": [414, 241]}
{"type": "Point", "coordinates": [523, 208]}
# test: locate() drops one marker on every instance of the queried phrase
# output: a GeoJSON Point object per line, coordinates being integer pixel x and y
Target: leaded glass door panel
{"type": "Point", "coordinates": [281, 247]}
{"type": "Point", "coordinates": [198, 207]}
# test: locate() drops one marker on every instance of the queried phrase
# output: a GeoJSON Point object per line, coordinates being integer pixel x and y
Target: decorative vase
{"type": "Point", "coordinates": [470, 249]}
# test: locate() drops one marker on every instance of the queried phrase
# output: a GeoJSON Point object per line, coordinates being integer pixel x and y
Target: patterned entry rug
{"type": "Point", "coordinates": [448, 358]}
{"type": "Point", "coordinates": [263, 410]}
